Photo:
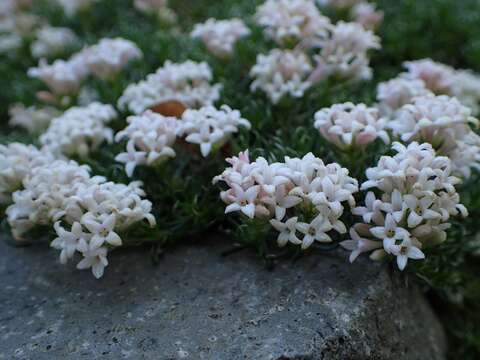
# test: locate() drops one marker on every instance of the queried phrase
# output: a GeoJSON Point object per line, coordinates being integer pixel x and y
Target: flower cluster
{"type": "Point", "coordinates": [16, 162]}
{"type": "Point", "coordinates": [395, 93]}
{"type": "Point", "coordinates": [34, 120]}
{"type": "Point", "coordinates": [443, 122]}
{"type": "Point", "coordinates": [88, 213]}
{"type": "Point", "coordinates": [347, 125]}
{"type": "Point", "coordinates": [344, 52]}
{"type": "Point", "coordinates": [109, 56]}
{"type": "Point", "coordinates": [79, 130]}
{"type": "Point", "coordinates": [210, 127]}
{"type": "Point", "coordinates": [151, 136]}
{"type": "Point", "coordinates": [289, 21]}
{"type": "Point", "coordinates": [105, 59]}
{"type": "Point", "coordinates": [158, 7]}
{"type": "Point", "coordinates": [417, 199]}
{"type": "Point", "coordinates": [437, 77]}
{"type": "Point", "coordinates": [187, 83]}
{"type": "Point", "coordinates": [220, 36]}
{"type": "Point", "coordinates": [281, 73]}
{"type": "Point", "coordinates": [150, 140]}
{"type": "Point", "coordinates": [63, 77]}
{"type": "Point", "coordinates": [299, 196]}
{"type": "Point", "coordinates": [52, 41]}
{"type": "Point", "coordinates": [444, 80]}
{"type": "Point", "coordinates": [45, 190]}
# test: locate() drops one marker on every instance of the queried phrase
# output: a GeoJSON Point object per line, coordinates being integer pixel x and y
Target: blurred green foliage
{"type": "Point", "coordinates": [445, 30]}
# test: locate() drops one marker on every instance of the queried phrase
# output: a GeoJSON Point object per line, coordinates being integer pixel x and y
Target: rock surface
{"type": "Point", "coordinates": [198, 305]}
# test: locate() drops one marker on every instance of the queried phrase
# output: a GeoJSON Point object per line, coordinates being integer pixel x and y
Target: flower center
{"type": "Point", "coordinates": [312, 231]}
{"type": "Point", "coordinates": [104, 231]}
{"type": "Point", "coordinates": [391, 233]}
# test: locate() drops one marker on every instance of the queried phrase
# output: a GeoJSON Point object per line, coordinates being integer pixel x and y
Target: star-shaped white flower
{"type": "Point", "coordinates": [244, 200]}
{"type": "Point", "coordinates": [131, 158]}
{"type": "Point", "coordinates": [371, 208]}
{"type": "Point", "coordinates": [389, 233]}
{"type": "Point", "coordinates": [287, 231]}
{"type": "Point", "coordinates": [67, 241]}
{"type": "Point", "coordinates": [315, 231]}
{"type": "Point", "coordinates": [406, 250]}
{"type": "Point", "coordinates": [419, 210]}
{"type": "Point", "coordinates": [102, 231]}
{"type": "Point", "coordinates": [95, 258]}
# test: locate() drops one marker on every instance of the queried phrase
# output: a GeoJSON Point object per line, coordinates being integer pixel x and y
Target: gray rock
{"type": "Point", "coordinates": [198, 305]}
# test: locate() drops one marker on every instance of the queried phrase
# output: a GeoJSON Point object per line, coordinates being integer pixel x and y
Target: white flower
{"type": "Point", "coordinates": [417, 198]}
{"type": "Point", "coordinates": [243, 200]}
{"type": "Point", "coordinates": [34, 120]}
{"type": "Point", "coordinates": [150, 140]}
{"type": "Point", "coordinates": [406, 250]}
{"type": "Point", "coordinates": [67, 241]}
{"type": "Point", "coordinates": [291, 21]}
{"type": "Point", "coordinates": [17, 161]}
{"type": "Point", "coordinates": [64, 193]}
{"type": "Point", "coordinates": [79, 130]}
{"type": "Point", "coordinates": [51, 41]}
{"type": "Point", "coordinates": [348, 125]}
{"type": "Point", "coordinates": [466, 88]}
{"type": "Point", "coordinates": [344, 52]}
{"type": "Point", "coordinates": [102, 231]}
{"type": "Point", "coordinates": [442, 79]}
{"type": "Point", "coordinates": [188, 83]}
{"type": "Point", "coordinates": [287, 231]}
{"type": "Point", "coordinates": [390, 233]}
{"type": "Point", "coordinates": [370, 210]}
{"type": "Point", "coordinates": [358, 245]}
{"type": "Point", "coordinates": [426, 116]}
{"type": "Point", "coordinates": [62, 77]}
{"type": "Point", "coordinates": [395, 93]}
{"type": "Point", "coordinates": [45, 190]}
{"type": "Point", "coordinates": [210, 127]}
{"type": "Point", "coordinates": [281, 73]}
{"type": "Point", "coordinates": [220, 36]}
{"type": "Point", "coordinates": [419, 210]}
{"type": "Point", "coordinates": [265, 191]}
{"type": "Point", "coordinates": [132, 158]}
{"type": "Point", "coordinates": [315, 231]}
{"type": "Point", "coordinates": [109, 56]}
{"type": "Point", "coordinates": [95, 258]}
{"type": "Point", "coordinates": [367, 15]}
{"type": "Point", "coordinates": [437, 77]}
{"type": "Point", "coordinates": [443, 122]}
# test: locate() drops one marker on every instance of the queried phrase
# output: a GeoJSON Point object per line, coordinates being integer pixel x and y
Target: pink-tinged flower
{"type": "Point", "coordinates": [358, 245]}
